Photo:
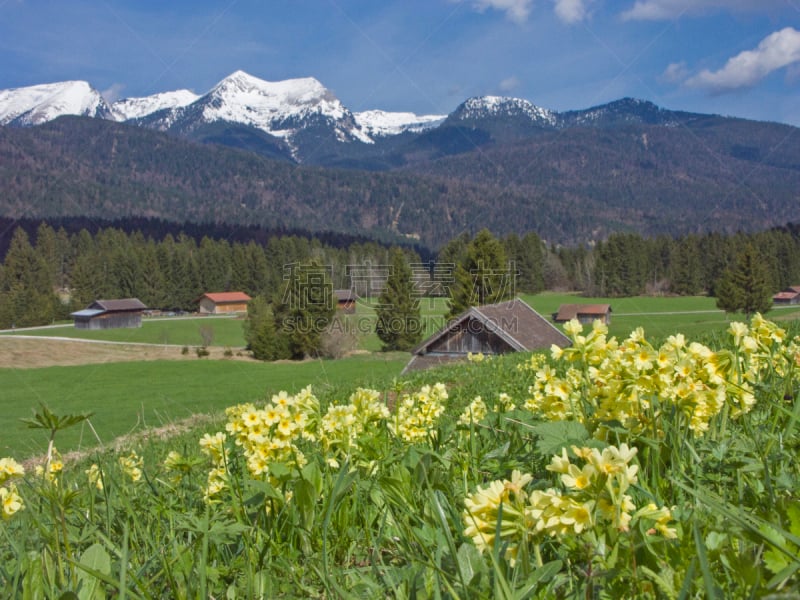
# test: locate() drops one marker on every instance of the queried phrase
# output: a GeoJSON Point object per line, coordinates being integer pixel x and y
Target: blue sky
{"type": "Point", "coordinates": [732, 57]}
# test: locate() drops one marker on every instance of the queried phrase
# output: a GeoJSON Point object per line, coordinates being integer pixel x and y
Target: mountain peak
{"type": "Point", "coordinates": [483, 107]}
{"type": "Point", "coordinates": [38, 104]}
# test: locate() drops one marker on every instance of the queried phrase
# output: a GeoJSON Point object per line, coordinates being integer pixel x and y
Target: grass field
{"type": "Point", "coordinates": [131, 396]}
{"type": "Point", "coordinates": [224, 331]}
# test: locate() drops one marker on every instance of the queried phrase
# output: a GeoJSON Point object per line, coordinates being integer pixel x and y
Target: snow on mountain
{"type": "Point", "coordinates": [482, 107]}
{"type": "Point", "coordinates": [38, 104]}
{"type": "Point", "coordinates": [279, 108]}
{"type": "Point", "coordinates": [135, 108]}
{"type": "Point", "coordinates": [379, 123]}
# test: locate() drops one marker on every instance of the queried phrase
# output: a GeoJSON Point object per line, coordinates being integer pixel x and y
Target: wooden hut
{"type": "Point", "coordinates": [110, 314]}
{"type": "Point", "coordinates": [789, 296]}
{"type": "Point", "coordinates": [511, 326]}
{"type": "Point", "coordinates": [217, 303]}
{"type": "Point", "coordinates": [345, 301]}
{"type": "Point", "coordinates": [585, 313]}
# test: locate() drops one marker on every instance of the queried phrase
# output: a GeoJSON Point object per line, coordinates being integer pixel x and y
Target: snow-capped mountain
{"type": "Point", "coordinates": [38, 104]}
{"type": "Point", "coordinates": [280, 108]}
{"type": "Point", "coordinates": [136, 108]}
{"type": "Point", "coordinates": [379, 123]}
{"type": "Point", "coordinates": [492, 107]}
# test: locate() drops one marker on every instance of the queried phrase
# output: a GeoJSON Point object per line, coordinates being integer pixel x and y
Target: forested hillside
{"type": "Point", "coordinates": [571, 186]}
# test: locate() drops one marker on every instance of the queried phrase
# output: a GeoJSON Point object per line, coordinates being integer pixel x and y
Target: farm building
{"type": "Point", "coordinates": [110, 314]}
{"type": "Point", "coordinates": [217, 303]}
{"type": "Point", "coordinates": [585, 313]}
{"type": "Point", "coordinates": [790, 295]}
{"type": "Point", "coordinates": [510, 326]}
{"type": "Point", "coordinates": [345, 301]}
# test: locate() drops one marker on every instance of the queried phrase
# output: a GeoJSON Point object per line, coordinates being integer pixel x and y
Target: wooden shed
{"type": "Point", "coordinates": [789, 296]}
{"type": "Point", "coordinates": [511, 326]}
{"type": "Point", "coordinates": [217, 303]}
{"type": "Point", "coordinates": [345, 301]}
{"type": "Point", "coordinates": [585, 313]}
{"type": "Point", "coordinates": [110, 314]}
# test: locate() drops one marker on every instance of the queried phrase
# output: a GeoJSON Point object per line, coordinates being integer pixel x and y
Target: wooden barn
{"type": "Point", "coordinates": [218, 303]}
{"type": "Point", "coordinates": [110, 314]}
{"type": "Point", "coordinates": [511, 326]}
{"type": "Point", "coordinates": [345, 301]}
{"type": "Point", "coordinates": [585, 313]}
{"type": "Point", "coordinates": [789, 296]}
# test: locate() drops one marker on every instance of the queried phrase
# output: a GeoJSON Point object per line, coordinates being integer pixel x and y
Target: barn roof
{"type": "Point", "coordinates": [226, 297]}
{"type": "Point", "coordinates": [519, 326]}
{"type": "Point", "coordinates": [567, 312]}
{"type": "Point", "coordinates": [345, 295]}
{"type": "Point", "coordinates": [124, 304]}
{"type": "Point", "coordinates": [786, 295]}
{"type": "Point", "coordinates": [87, 313]}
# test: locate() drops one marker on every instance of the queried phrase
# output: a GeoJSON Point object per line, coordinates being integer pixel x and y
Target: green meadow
{"type": "Point", "coordinates": [130, 397]}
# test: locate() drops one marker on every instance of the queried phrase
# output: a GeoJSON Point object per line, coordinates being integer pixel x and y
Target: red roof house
{"type": "Point", "coordinates": [216, 303]}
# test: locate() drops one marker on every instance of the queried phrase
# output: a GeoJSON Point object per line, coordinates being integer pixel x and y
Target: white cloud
{"type": "Point", "coordinates": [571, 11]}
{"type": "Point", "coordinates": [113, 93]}
{"type": "Point", "coordinates": [675, 73]}
{"type": "Point", "coordinates": [509, 84]}
{"type": "Point", "coordinates": [777, 50]}
{"type": "Point", "coordinates": [516, 10]}
{"type": "Point", "coordinates": [654, 10]}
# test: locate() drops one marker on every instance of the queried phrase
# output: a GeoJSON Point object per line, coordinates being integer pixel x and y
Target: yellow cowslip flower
{"type": "Point", "coordinates": [10, 501]}
{"type": "Point", "coordinates": [578, 479]}
{"type": "Point", "coordinates": [476, 358]}
{"type": "Point", "coordinates": [475, 412]}
{"type": "Point", "coordinates": [10, 468]}
{"type": "Point", "coordinates": [578, 515]}
{"type": "Point", "coordinates": [213, 446]}
{"type": "Point", "coordinates": [132, 466]}
{"type": "Point", "coordinates": [95, 476]}
{"type": "Point", "coordinates": [482, 509]}
{"type": "Point", "coordinates": [573, 327]}
{"type": "Point", "coordinates": [660, 517]}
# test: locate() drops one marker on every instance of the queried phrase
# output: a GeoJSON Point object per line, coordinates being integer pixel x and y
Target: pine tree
{"type": "Point", "coordinates": [305, 308]}
{"type": "Point", "coordinates": [746, 286]}
{"type": "Point", "coordinates": [399, 325]}
{"type": "Point", "coordinates": [483, 277]}
{"type": "Point", "coordinates": [260, 332]}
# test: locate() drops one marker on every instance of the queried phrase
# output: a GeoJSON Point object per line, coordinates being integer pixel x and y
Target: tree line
{"type": "Point", "coordinates": [47, 275]}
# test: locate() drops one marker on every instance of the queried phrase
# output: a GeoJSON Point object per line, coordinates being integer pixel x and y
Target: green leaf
{"type": "Point", "coordinates": [559, 434]}
{"type": "Point", "coordinates": [95, 558]}
{"type": "Point", "coordinates": [469, 562]}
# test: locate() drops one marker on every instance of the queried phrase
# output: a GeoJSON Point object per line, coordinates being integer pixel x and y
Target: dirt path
{"type": "Point", "coordinates": [21, 352]}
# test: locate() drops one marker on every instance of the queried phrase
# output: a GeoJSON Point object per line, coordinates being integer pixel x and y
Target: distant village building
{"type": "Point", "coordinates": [110, 314]}
{"type": "Point", "coordinates": [585, 313]}
{"type": "Point", "coordinates": [790, 295]}
{"type": "Point", "coordinates": [345, 301]}
{"type": "Point", "coordinates": [511, 326]}
{"type": "Point", "coordinates": [216, 303]}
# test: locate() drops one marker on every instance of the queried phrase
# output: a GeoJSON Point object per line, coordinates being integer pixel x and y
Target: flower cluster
{"type": "Point", "coordinates": [95, 476]}
{"type": "Point", "coordinates": [270, 434]}
{"type": "Point", "coordinates": [598, 380]}
{"type": "Point", "coordinates": [52, 467]}
{"type": "Point", "coordinates": [343, 424]}
{"type": "Point", "coordinates": [477, 409]}
{"type": "Point", "coordinates": [595, 497]}
{"type": "Point", "coordinates": [418, 413]}
{"type": "Point", "coordinates": [10, 500]}
{"type": "Point", "coordinates": [132, 466]}
{"type": "Point", "coordinates": [762, 347]}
